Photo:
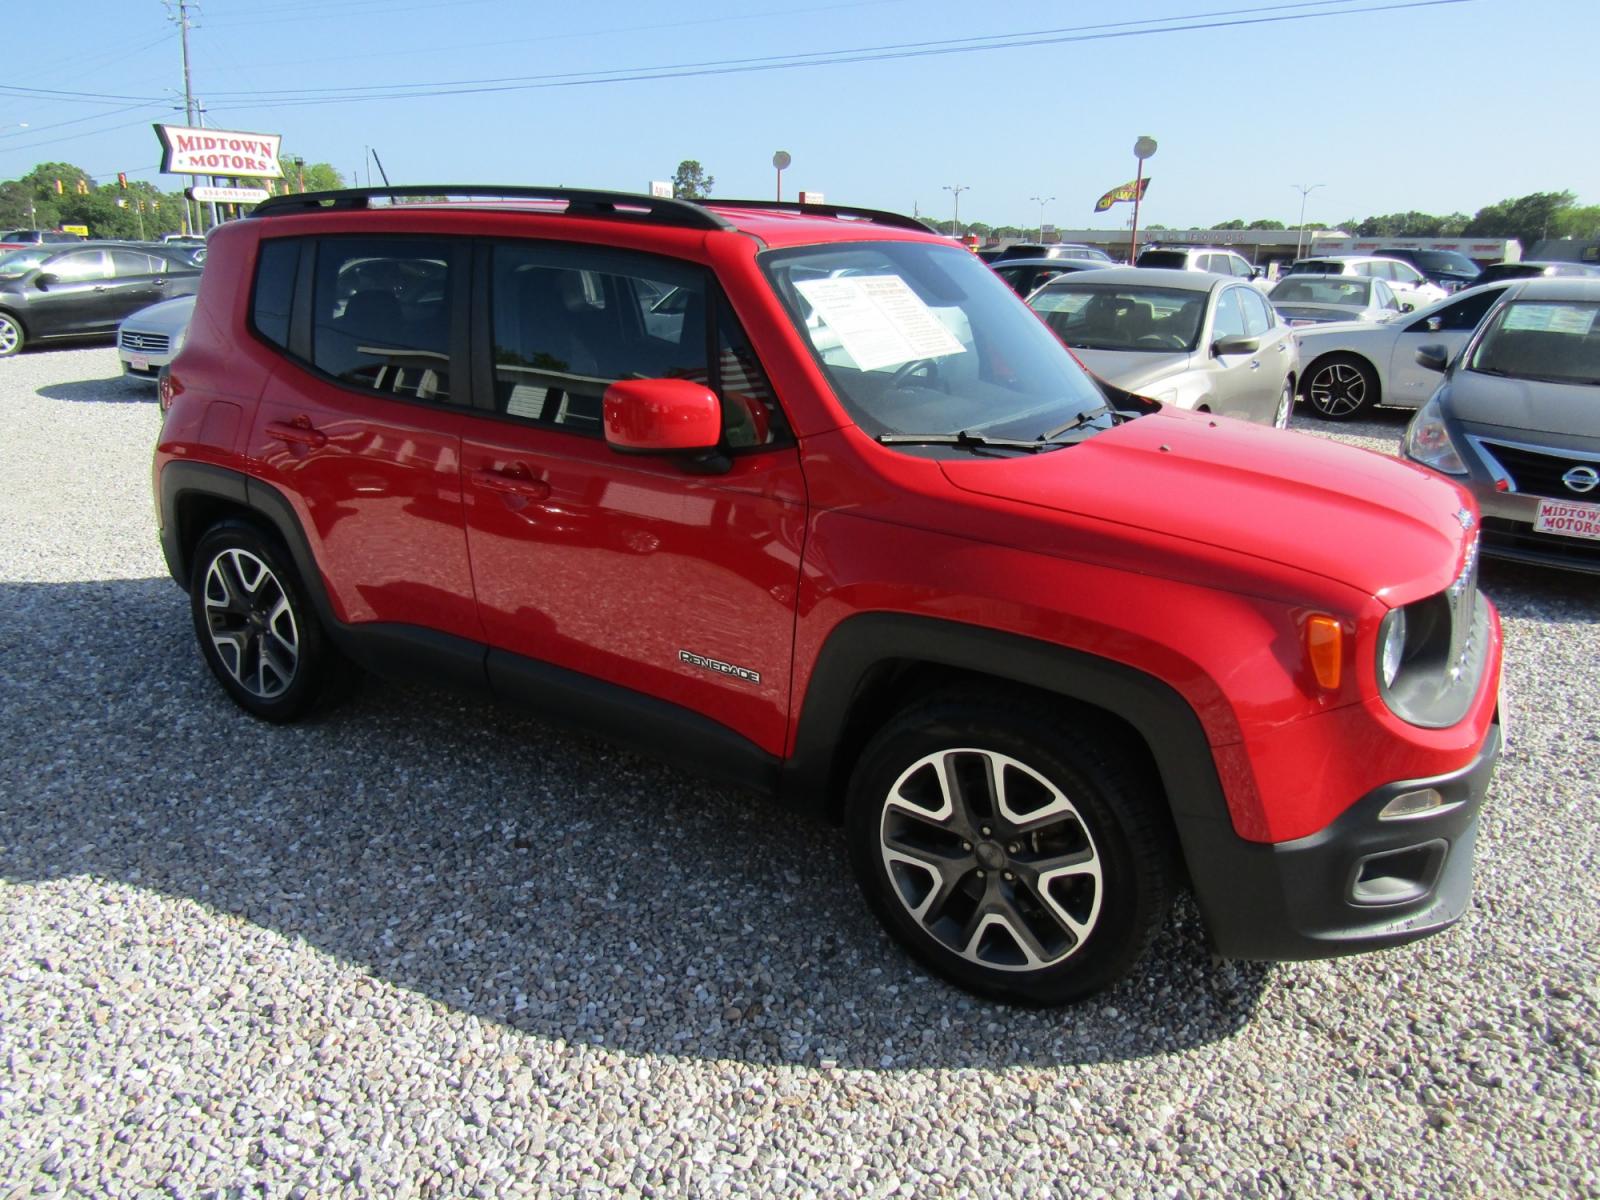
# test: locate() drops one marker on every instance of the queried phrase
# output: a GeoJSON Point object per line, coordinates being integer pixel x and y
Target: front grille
{"type": "Point", "coordinates": [1538, 472]}
{"type": "Point", "coordinates": [1516, 539]}
{"type": "Point", "coordinates": [143, 343]}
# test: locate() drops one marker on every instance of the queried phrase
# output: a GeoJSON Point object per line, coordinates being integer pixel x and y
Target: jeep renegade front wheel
{"type": "Point", "coordinates": [255, 627]}
{"type": "Point", "coordinates": [1010, 847]}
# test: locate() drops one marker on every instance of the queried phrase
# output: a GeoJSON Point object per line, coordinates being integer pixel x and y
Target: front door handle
{"type": "Point", "coordinates": [510, 484]}
{"type": "Point", "coordinates": [298, 432]}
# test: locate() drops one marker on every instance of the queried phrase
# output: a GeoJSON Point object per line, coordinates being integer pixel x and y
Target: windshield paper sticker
{"type": "Point", "coordinates": [879, 320]}
{"type": "Point", "coordinates": [1551, 318]}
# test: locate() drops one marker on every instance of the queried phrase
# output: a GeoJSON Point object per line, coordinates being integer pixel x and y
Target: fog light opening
{"type": "Point", "coordinates": [1398, 876]}
{"type": "Point", "coordinates": [1424, 802]}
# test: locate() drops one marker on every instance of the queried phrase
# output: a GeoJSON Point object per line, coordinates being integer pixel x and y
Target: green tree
{"type": "Point", "coordinates": [690, 182]}
{"type": "Point", "coordinates": [1526, 218]}
{"type": "Point", "coordinates": [1264, 223]}
{"type": "Point", "coordinates": [1579, 221]}
{"type": "Point", "coordinates": [1233, 224]}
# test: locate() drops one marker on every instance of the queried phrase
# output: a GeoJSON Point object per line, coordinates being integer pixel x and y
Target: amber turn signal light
{"type": "Point", "coordinates": [1325, 649]}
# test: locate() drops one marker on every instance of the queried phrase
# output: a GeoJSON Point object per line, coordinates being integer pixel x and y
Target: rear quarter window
{"type": "Point", "coordinates": [273, 298]}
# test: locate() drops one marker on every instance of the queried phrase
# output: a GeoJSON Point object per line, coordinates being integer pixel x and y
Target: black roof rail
{"type": "Point", "coordinates": [876, 216]}
{"type": "Point", "coordinates": [585, 202]}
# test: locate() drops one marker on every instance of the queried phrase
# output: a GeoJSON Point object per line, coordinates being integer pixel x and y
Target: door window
{"type": "Point", "coordinates": [1463, 315]}
{"type": "Point", "coordinates": [74, 268]}
{"type": "Point", "coordinates": [1257, 315]}
{"type": "Point", "coordinates": [381, 314]}
{"type": "Point", "coordinates": [131, 262]}
{"type": "Point", "coordinates": [1384, 295]}
{"type": "Point", "coordinates": [1229, 319]}
{"type": "Point", "coordinates": [1402, 273]}
{"type": "Point", "coordinates": [569, 321]}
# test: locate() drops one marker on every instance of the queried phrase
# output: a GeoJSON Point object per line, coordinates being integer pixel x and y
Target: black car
{"type": "Point", "coordinates": [1026, 274]}
{"type": "Point", "coordinates": [1450, 269]}
{"type": "Point", "coordinates": [1496, 272]}
{"type": "Point", "coordinates": [1070, 250]}
{"type": "Point", "coordinates": [38, 237]}
{"type": "Point", "coordinates": [87, 288]}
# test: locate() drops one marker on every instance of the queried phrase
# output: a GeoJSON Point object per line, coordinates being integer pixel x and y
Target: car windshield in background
{"type": "Point", "coordinates": [1446, 260]}
{"type": "Point", "coordinates": [1313, 267]}
{"type": "Point", "coordinates": [1351, 290]}
{"type": "Point", "coordinates": [1552, 341]}
{"type": "Point", "coordinates": [20, 262]}
{"type": "Point", "coordinates": [1100, 317]}
{"type": "Point", "coordinates": [922, 339]}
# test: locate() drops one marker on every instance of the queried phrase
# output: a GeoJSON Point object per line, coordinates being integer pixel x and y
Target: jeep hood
{"type": "Point", "coordinates": [1350, 515]}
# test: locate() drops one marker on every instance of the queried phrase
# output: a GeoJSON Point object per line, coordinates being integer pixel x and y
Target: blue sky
{"type": "Point", "coordinates": [1442, 106]}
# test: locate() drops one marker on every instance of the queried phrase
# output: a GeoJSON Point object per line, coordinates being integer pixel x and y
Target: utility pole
{"type": "Point", "coordinates": [1304, 190]}
{"type": "Point", "coordinates": [188, 94]}
{"type": "Point", "coordinates": [1041, 201]}
{"type": "Point", "coordinates": [955, 189]}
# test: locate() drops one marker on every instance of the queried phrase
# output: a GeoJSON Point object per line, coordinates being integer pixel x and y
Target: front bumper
{"type": "Point", "coordinates": [1359, 884]}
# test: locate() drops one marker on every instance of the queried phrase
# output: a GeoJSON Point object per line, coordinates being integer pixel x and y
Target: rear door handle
{"type": "Point", "coordinates": [510, 484]}
{"type": "Point", "coordinates": [297, 432]}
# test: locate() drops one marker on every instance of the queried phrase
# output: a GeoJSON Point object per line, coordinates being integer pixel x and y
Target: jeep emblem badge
{"type": "Point", "coordinates": [1581, 479]}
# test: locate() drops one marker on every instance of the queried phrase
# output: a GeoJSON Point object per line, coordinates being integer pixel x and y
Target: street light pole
{"type": "Point", "coordinates": [1142, 149]}
{"type": "Point", "coordinates": [1304, 190]}
{"type": "Point", "coordinates": [1041, 201]}
{"type": "Point", "coordinates": [955, 189]}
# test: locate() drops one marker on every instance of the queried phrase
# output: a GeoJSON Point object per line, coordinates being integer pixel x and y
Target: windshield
{"type": "Point", "coordinates": [1553, 341]}
{"type": "Point", "coordinates": [918, 338]}
{"type": "Point", "coordinates": [1445, 260]}
{"type": "Point", "coordinates": [1316, 266]}
{"type": "Point", "coordinates": [1177, 260]}
{"type": "Point", "coordinates": [20, 262]}
{"type": "Point", "coordinates": [1350, 290]}
{"type": "Point", "coordinates": [1090, 316]}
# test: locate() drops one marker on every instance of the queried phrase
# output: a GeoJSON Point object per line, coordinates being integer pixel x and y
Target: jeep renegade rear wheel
{"type": "Point", "coordinates": [255, 627]}
{"type": "Point", "coordinates": [1009, 848]}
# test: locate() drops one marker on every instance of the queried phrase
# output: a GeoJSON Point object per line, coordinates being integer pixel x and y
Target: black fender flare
{"type": "Point", "coordinates": [859, 645]}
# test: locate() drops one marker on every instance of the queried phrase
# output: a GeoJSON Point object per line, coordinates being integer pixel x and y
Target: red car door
{"type": "Point", "coordinates": [634, 570]}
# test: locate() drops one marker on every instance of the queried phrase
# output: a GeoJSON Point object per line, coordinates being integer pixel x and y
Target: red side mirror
{"type": "Point", "coordinates": [653, 416]}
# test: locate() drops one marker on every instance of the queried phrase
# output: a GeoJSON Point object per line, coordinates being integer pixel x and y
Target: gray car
{"type": "Point", "coordinates": [1516, 419]}
{"type": "Point", "coordinates": [152, 337]}
{"type": "Point", "coordinates": [1187, 338]}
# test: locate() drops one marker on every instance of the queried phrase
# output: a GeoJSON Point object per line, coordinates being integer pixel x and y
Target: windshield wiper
{"type": "Point", "coordinates": [961, 437]}
{"type": "Point", "coordinates": [1085, 418]}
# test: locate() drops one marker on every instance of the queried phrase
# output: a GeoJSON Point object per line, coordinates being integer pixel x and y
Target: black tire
{"type": "Point", "coordinates": [256, 628]}
{"type": "Point", "coordinates": [12, 336]}
{"type": "Point", "coordinates": [1280, 417]}
{"type": "Point", "coordinates": [1042, 899]}
{"type": "Point", "coordinates": [1341, 386]}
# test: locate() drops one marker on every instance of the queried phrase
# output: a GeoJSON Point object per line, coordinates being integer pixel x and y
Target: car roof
{"type": "Point", "coordinates": [1058, 264]}
{"type": "Point", "coordinates": [774, 223]}
{"type": "Point", "coordinates": [1556, 287]}
{"type": "Point", "coordinates": [1187, 281]}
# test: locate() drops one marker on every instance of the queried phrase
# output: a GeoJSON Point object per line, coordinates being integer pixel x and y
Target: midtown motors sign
{"type": "Point", "coordinates": [219, 152]}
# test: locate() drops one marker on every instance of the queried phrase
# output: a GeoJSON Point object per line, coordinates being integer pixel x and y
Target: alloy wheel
{"type": "Point", "coordinates": [10, 336]}
{"type": "Point", "coordinates": [251, 623]}
{"type": "Point", "coordinates": [1280, 418]}
{"type": "Point", "coordinates": [991, 859]}
{"type": "Point", "coordinates": [1338, 389]}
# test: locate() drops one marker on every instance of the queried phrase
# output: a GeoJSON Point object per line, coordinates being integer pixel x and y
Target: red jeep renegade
{"type": "Point", "coordinates": [808, 500]}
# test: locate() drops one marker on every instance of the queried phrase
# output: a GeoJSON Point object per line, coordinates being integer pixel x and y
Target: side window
{"type": "Point", "coordinates": [1238, 266]}
{"type": "Point", "coordinates": [1257, 316]}
{"type": "Point", "coordinates": [277, 264]}
{"type": "Point", "coordinates": [1465, 314]}
{"type": "Point", "coordinates": [1385, 296]}
{"type": "Point", "coordinates": [131, 262]}
{"type": "Point", "coordinates": [569, 321]}
{"type": "Point", "coordinates": [1406, 274]}
{"type": "Point", "coordinates": [380, 314]}
{"type": "Point", "coordinates": [1229, 320]}
{"type": "Point", "coordinates": [74, 268]}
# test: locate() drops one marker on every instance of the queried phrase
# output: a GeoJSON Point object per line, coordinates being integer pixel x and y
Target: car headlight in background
{"type": "Point", "coordinates": [1428, 441]}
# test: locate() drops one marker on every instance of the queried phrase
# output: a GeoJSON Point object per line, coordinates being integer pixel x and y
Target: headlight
{"type": "Point", "coordinates": [1428, 441]}
{"type": "Point", "coordinates": [1391, 646]}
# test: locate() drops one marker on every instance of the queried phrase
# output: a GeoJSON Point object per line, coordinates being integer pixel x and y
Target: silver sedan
{"type": "Point", "coordinates": [1516, 419]}
{"type": "Point", "coordinates": [1317, 300]}
{"type": "Point", "coordinates": [1187, 338]}
{"type": "Point", "coordinates": [1350, 367]}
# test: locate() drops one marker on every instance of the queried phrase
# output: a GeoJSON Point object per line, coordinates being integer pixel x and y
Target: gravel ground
{"type": "Point", "coordinates": [422, 947]}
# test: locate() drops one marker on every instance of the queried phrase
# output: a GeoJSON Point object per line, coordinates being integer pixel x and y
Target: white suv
{"type": "Point", "coordinates": [1200, 258]}
{"type": "Point", "coordinates": [1411, 287]}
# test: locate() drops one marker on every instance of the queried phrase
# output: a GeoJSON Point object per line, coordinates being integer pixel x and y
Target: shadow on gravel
{"type": "Point", "coordinates": [114, 389]}
{"type": "Point", "coordinates": [503, 868]}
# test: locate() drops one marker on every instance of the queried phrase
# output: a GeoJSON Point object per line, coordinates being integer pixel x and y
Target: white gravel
{"type": "Point", "coordinates": [422, 947]}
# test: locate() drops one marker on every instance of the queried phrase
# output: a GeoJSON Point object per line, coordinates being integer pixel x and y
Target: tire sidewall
{"type": "Point", "coordinates": [303, 690]}
{"type": "Point", "coordinates": [1131, 904]}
